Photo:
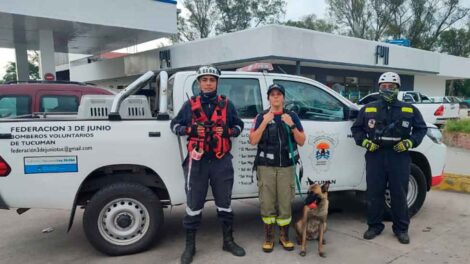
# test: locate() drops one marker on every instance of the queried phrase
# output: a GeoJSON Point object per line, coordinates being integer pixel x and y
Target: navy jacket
{"type": "Point", "coordinates": [379, 119]}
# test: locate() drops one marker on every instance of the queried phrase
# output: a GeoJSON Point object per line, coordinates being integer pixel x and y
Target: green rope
{"type": "Point", "coordinates": [291, 150]}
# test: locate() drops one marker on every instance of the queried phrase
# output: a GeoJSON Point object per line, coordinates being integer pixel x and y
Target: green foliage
{"type": "Point", "coordinates": [311, 22]}
{"type": "Point", "coordinates": [455, 42]}
{"type": "Point", "coordinates": [459, 88]}
{"type": "Point", "coordinates": [235, 15]}
{"type": "Point", "coordinates": [420, 21]}
{"type": "Point", "coordinates": [33, 64]}
{"type": "Point", "coordinates": [462, 126]}
{"type": "Point", "coordinates": [208, 17]}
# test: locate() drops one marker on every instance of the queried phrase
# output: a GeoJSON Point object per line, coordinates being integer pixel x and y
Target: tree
{"type": "Point", "coordinates": [202, 16]}
{"type": "Point", "coordinates": [267, 11]}
{"type": "Point", "coordinates": [420, 21]}
{"type": "Point", "coordinates": [234, 15]}
{"type": "Point", "coordinates": [33, 64]}
{"type": "Point", "coordinates": [455, 42]}
{"type": "Point", "coordinates": [207, 17]}
{"type": "Point", "coordinates": [242, 14]}
{"type": "Point", "coordinates": [311, 22]}
{"type": "Point", "coordinates": [184, 31]}
{"type": "Point", "coordinates": [431, 18]}
{"type": "Point", "coordinates": [367, 19]}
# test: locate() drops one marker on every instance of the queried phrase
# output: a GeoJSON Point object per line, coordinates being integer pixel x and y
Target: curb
{"type": "Point", "coordinates": [455, 183]}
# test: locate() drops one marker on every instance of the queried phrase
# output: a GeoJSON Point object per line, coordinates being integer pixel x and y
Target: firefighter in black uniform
{"type": "Point", "coordinates": [388, 128]}
{"type": "Point", "coordinates": [209, 120]}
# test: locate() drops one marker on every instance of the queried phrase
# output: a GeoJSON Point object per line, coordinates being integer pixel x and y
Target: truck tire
{"type": "Point", "coordinates": [123, 218]}
{"type": "Point", "coordinates": [417, 189]}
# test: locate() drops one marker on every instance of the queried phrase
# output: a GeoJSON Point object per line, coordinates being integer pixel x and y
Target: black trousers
{"type": "Point", "coordinates": [219, 174]}
{"type": "Point", "coordinates": [385, 166]}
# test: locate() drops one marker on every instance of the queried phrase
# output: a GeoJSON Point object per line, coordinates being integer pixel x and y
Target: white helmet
{"type": "Point", "coordinates": [390, 77]}
{"type": "Point", "coordinates": [208, 70]}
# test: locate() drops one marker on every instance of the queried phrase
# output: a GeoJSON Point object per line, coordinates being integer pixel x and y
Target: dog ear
{"type": "Point", "coordinates": [310, 182]}
{"type": "Point", "coordinates": [325, 187]}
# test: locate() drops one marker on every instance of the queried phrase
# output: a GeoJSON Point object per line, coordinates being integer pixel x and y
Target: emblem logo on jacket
{"type": "Point", "coordinates": [371, 123]}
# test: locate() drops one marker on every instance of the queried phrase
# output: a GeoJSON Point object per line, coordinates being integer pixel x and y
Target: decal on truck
{"type": "Point", "coordinates": [57, 164]}
{"type": "Point", "coordinates": [323, 150]}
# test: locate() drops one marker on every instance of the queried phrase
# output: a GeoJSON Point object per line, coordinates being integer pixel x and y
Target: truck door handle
{"type": "Point", "coordinates": [154, 134]}
{"type": "Point", "coordinates": [6, 136]}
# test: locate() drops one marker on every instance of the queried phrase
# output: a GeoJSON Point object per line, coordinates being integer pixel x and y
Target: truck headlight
{"type": "Point", "coordinates": [435, 135]}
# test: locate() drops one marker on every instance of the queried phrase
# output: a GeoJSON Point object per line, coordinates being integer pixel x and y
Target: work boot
{"type": "Point", "coordinates": [190, 249]}
{"type": "Point", "coordinates": [403, 238]}
{"type": "Point", "coordinates": [229, 244]}
{"type": "Point", "coordinates": [268, 244]}
{"type": "Point", "coordinates": [284, 238]}
{"type": "Point", "coordinates": [371, 233]}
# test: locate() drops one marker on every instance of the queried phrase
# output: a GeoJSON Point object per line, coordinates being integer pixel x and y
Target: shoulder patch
{"type": "Point", "coordinates": [371, 109]}
{"type": "Point", "coordinates": [407, 109]}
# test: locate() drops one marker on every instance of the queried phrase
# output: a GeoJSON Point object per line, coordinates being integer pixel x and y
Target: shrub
{"type": "Point", "coordinates": [462, 126]}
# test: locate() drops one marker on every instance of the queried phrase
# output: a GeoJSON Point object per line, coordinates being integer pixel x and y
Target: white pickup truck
{"type": "Point", "coordinates": [433, 112]}
{"type": "Point", "coordinates": [119, 160]}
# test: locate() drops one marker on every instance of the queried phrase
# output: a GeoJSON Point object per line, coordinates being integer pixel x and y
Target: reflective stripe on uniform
{"type": "Point", "coordinates": [228, 210]}
{"type": "Point", "coordinates": [371, 109]}
{"type": "Point", "coordinates": [175, 127]}
{"type": "Point", "coordinates": [407, 109]}
{"type": "Point", "coordinates": [283, 222]}
{"type": "Point", "coordinates": [193, 213]}
{"type": "Point", "coordinates": [268, 155]}
{"type": "Point", "coordinates": [390, 138]}
{"type": "Point", "coordinates": [269, 220]}
{"type": "Point", "coordinates": [296, 152]}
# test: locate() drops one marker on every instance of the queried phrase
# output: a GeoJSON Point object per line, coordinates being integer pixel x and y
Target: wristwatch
{"type": "Point", "coordinates": [293, 126]}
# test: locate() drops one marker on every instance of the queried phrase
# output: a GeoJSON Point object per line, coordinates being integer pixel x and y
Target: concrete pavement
{"type": "Point", "coordinates": [440, 233]}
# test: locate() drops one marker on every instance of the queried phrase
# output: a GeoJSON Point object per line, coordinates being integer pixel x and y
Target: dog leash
{"type": "Point", "coordinates": [291, 150]}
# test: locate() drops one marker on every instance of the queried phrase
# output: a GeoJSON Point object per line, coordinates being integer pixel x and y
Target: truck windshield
{"type": "Point", "coordinates": [311, 103]}
{"type": "Point", "coordinates": [244, 93]}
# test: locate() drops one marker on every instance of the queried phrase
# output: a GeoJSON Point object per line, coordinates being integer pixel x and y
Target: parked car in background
{"type": "Point", "coordinates": [464, 105]}
{"type": "Point", "coordinates": [433, 112]}
{"type": "Point", "coordinates": [451, 106]}
{"type": "Point", "coordinates": [26, 99]}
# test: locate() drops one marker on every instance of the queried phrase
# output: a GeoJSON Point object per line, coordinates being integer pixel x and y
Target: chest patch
{"type": "Point", "coordinates": [405, 124]}
{"type": "Point", "coordinates": [371, 109]}
{"type": "Point", "coordinates": [371, 123]}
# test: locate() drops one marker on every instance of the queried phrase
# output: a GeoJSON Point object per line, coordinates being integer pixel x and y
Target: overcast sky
{"type": "Point", "coordinates": [295, 10]}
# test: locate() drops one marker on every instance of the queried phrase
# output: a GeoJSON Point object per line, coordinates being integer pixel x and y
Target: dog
{"type": "Point", "coordinates": [312, 224]}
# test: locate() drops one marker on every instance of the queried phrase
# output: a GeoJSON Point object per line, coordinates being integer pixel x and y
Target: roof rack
{"type": "Point", "coordinates": [49, 82]}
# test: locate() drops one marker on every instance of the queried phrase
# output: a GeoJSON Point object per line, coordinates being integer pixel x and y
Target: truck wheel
{"type": "Point", "coordinates": [416, 193]}
{"type": "Point", "coordinates": [123, 218]}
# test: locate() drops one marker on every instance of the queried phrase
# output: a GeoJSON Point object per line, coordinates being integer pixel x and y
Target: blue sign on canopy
{"type": "Point", "coordinates": [167, 1]}
{"type": "Point", "coordinates": [401, 42]}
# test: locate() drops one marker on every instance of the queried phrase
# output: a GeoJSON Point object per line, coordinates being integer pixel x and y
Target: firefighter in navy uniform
{"type": "Point", "coordinates": [388, 128]}
{"type": "Point", "coordinates": [209, 120]}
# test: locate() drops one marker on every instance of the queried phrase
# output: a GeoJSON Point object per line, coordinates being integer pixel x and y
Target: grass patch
{"type": "Point", "coordinates": [462, 126]}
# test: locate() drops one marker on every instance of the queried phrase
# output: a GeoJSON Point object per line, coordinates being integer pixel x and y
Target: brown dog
{"type": "Point", "coordinates": [312, 224]}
